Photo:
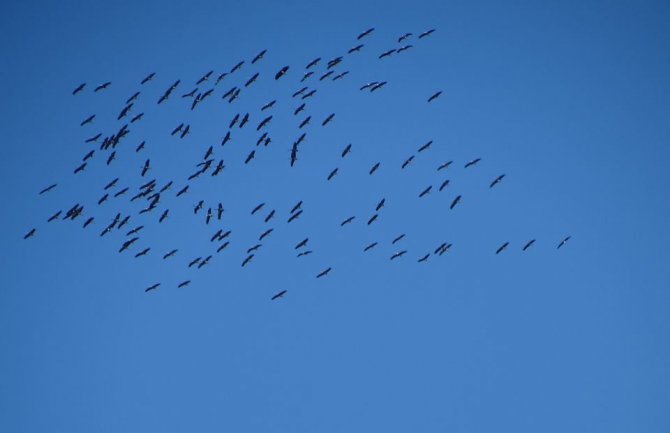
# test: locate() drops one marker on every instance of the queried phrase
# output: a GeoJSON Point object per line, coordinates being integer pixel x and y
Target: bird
{"type": "Point", "coordinates": [127, 244]}
{"type": "Point", "coordinates": [370, 246]}
{"type": "Point", "coordinates": [152, 287]}
{"type": "Point", "coordinates": [425, 146]}
{"type": "Point", "coordinates": [247, 260]}
{"type": "Point", "coordinates": [372, 219]}
{"type": "Point", "coordinates": [80, 168]}
{"type": "Point", "coordinates": [265, 234]}
{"type": "Point", "coordinates": [163, 216]}
{"type": "Point", "coordinates": [563, 242]}
{"type": "Point", "coordinates": [374, 168]}
{"type": "Point", "coordinates": [305, 122]}
{"type": "Point", "coordinates": [94, 138]}
{"type": "Point", "coordinates": [346, 150]}
{"type": "Point", "coordinates": [365, 33]}
{"type": "Point", "coordinates": [424, 258]}
{"type": "Point", "coordinates": [194, 262]}
{"type": "Point", "coordinates": [257, 208]}
{"type": "Point", "coordinates": [30, 234]}
{"type": "Point", "coordinates": [380, 205]}
{"type": "Point", "coordinates": [259, 56]}
{"type": "Point", "coordinates": [270, 215]}
{"type": "Point", "coordinates": [426, 33]}
{"type": "Point", "coordinates": [79, 88]}
{"type": "Point", "coordinates": [102, 86]}
{"type": "Point", "coordinates": [445, 165]}
{"type": "Point", "coordinates": [455, 202]}
{"type": "Point", "coordinates": [301, 244]}
{"type": "Point", "coordinates": [148, 78]}
{"type": "Point", "coordinates": [407, 162]}
{"type": "Point", "coordinates": [472, 162]}
{"type": "Point", "coordinates": [184, 284]}
{"type": "Point", "coordinates": [142, 253]}
{"type": "Point", "coordinates": [387, 53]}
{"type": "Point", "coordinates": [204, 78]}
{"type": "Point", "coordinates": [88, 120]}
{"type": "Point", "coordinates": [328, 119]}
{"type": "Point", "coordinates": [528, 244]}
{"type": "Point", "coordinates": [88, 221]}
{"type": "Point", "coordinates": [332, 174]}
{"type": "Point", "coordinates": [323, 273]}
{"type": "Point", "coordinates": [347, 221]}
{"type": "Point", "coordinates": [304, 253]}
{"type": "Point", "coordinates": [398, 238]}
{"type": "Point", "coordinates": [355, 49]}
{"type": "Point", "coordinates": [268, 105]}
{"type": "Point", "coordinates": [434, 96]}
{"type": "Point", "coordinates": [146, 167]}
{"type": "Point", "coordinates": [502, 248]}
{"type": "Point", "coordinates": [425, 191]}
{"type": "Point", "coordinates": [111, 184]}
{"type": "Point", "coordinates": [295, 216]}
{"type": "Point", "coordinates": [398, 254]}
{"type": "Point", "coordinates": [278, 295]}
{"type": "Point", "coordinates": [496, 181]}
{"type": "Point", "coordinates": [296, 207]}
{"type": "Point", "coordinates": [281, 72]}
{"type": "Point", "coordinates": [250, 156]}
{"type": "Point", "coordinates": [251, 80]}
{"type": "Point", "coordinates": [48, 188]}
{"type": "Point", "coordinates": [404, 36]}
{"type": "Point", "coordinates": [313, 63]}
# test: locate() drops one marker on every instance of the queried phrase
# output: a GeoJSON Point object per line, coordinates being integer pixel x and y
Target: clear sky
{"type": "Point", "coordinates": [568, 99]}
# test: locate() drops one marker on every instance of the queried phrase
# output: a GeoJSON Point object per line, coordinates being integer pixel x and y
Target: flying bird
{"type": "Point", "coordinates": [434, 96]}
{"type": "Point", "coordinates": [425, 191]}
{"type": "Point", "coordinates": [455, 202]}
{"type": "Point", "coordinates": [374, 168]}
{"type": "Point", "coordinates": [355, 49]}
{"type": "Point", "coordinates": [88, 120]}
{"type": "Point", "coordinates": [425, 146]}
{"type": "Point", "coordinates": [426, 33]}
{"type": "Point", "coordinates": [372, 219]}
{"type": "Point", "coordinates": [259, 56]}
{"type": "Point", "coordinates": [346, 150]}
{"type": "Point", "coordinates": [147, 78]}
{"type": "Point", "coordinates": [31, 233]}
{"type": "Point", "coordinates": [502, 248]}
{"type": "Point", "coordinates": [380, 204]}
{"type": "Point", "coordinates": [398, 254]}
{"type": "Point", "coordinates": [328, 119]}
{"type": "Point", "coordinates": [323, 273]}
{"type": "Point", "coordinates": [102, 86]}
{"type": "Point", "coordinates": [79, 88]}
{"type": "Point", "coordinates": [48, 188]}
{"type": "Point", "coordinates": [496, 181]}
{"type": "Point", "coordinates": [397, 239]}
{"type": "Point", "coordinates": [563, 242]}
{"type": "Point", "coordinates": [365, 33]}
{"type": "Point", "coordinates": [528, 244]}
{"type": "Point", "coordinates": [184, 284]}
{"type": "Point", "coordinates": [152, 287]}
{"type": "Point", "coordinates": [278, 295]}
{"type": "Point", "coordinates": [445, 165]}
{"type": "Point", "coordinates": [444, 185]}
{"type": "Point", "coordinates": [281, 72]}
{"type": "Point", "coordinates": [370, 246]}
{"type": "Point", "coordinates": [347, 221]}
{"type": "Point", "coordinates": [332, 174]}
{"type": "Point", "coordinates": [473, 162]}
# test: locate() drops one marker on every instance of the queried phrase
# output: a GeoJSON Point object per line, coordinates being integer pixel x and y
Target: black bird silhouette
{"type": "Point", "coordinates": [434, 96]}
{"type": "Point", "coordinates": [365, 33]}
{"type": "Point", "coordinates": [346, 150]}
{"type": "Point", "coordinates": [304, 253]}
{"type": "Point", "coordinates": [265, 234]}
{"type": "Point", "coordinates": [103, 199]}
{"type": "Point", "coordinates": [563, 242]}
{"type": "Point", "coordinates": [221, 77]}
{"type": "Point", "coordinates": [136, 118]}
{"type": "Point", "coordinates": [184, 284]}
{"type": "Point", "coordinates": [111, 184]}
{"type": "Point", "coordinates": [177, 129]}
{"type": "Point", "coordinates": [373, 218]}
{"type": "Point", "coordinates": [347, 221]}
{"type": "Point", "coordinates": [143, 252]}
{"type": "Point", "coordinates": [370, 246]}
{"type": "Point", "coordinates": [219, 211]}
{"type": "Point", "coordinates": [121, 192]}
{"type": "Point", "coordinates": [127, 244]}
{"type": "Point", "coordinates": [88, 120]}
{"type": "Point", "coordinates": [247, 260]}
{"type": "Point", "coordinates": [426, 33]}
{"type": "Point", "coordinates": [340, 75]}
{"type": "Point", "coordinates": [328, 119]}
{"type": "Point", "coordinates": [103, 86]}
{"type": "Point", "coordinates": [88, 221]}
{"type": "Point", "coordinates": [528, 244]}
{"type": "Point", "coordinates": [296, 207]}
{"type": "Point", "coordinates": [424, 258]}
{"type": "Point", "coordinates": [281, 72]}
{"type": "Point", "coordinates": [387, 53]}
{"type": "Point", "coordinates": [170, 254]}
{"type": "Point", "coordinates": [132, 97]}
{"type": "Point", "coordinates": [111, 157]}
{"type": "Point", "coordinates": [257, 208]}
{"type": "Point", "coordinates": [254, 248]}
{"type": "Point", "coordinates": [380, 204]}
{"type": "Point", "coordinates": [295, 216]}
{"type": "Point", "coordinates": [244, 120]}
{"type": "Point", "coordinates": [313, 63]}
{"type": "Point", "coordinates": [374, 168]}
{"type": "Point", "coordinates": [145, 168]}
{"type": "Point", "coordinates": [398, 254]}
{"type": "Point", "coordinates": [259, 56]}
{"type": "Point", "coordinates": [270, 215]}
{"type": "Point", "coordinates": [185, 131]}
{"type": "Point", "coordinates": [250, 156]}
{"type": "Point", "coordinates": [444, 185]}
{"type": "Point", "coordinates": [48, 188]}
{"type": "Point", "coordinates": [79, 88]}
{"type": "Point", "coordinates": [163, 216]}
{"type": "Point", "coordinates": [182, 191]}
{"type": "Point", "coordinates": [355, 49]}
{"type": "Point", "coordinates": [455, 202]}
{"type": "Point", "coordinates": [425, 191]}
{"type": "Point", "coordinates": [496, 180]}
{"type": "Point", "coordinates": [278, 295]}
{"type": "Point", "coordinates": [226, 138]}
{"type": "Point", "coordinates": [407, 162]}
{"type": "Point", "coordinates": [133, 231]}
{"type": "Point", "coordinates": [237, 66]}
{"type": "Point", "coordinates": [323, 273]}
{"type": "Point", "coordinates": [308, 94]}
{"type": "Point", "coordinates": [397, 239]}
{"type": "Point", "coordinates": [425, 146]}
{"type": "Point", "coordinates": [301, 244]}
{"type": "Point", "coordinates": [334, 62]}
{"type": "Point", "coordinates": [332, 174]}
{"type": "Point", "coordinates": [502, 248]}
{"type": "Point", "coordinates": [326, 75]}
{"type": "Point", "coordinates": [152, 287]}
{"type": "Point", "coordinates": [445, 165]}
{"type": "Point", "coordinates": [31, 233]}
{"type": "Point", "coordinates": [268, 105]}
{"type": "Point", "coordinates": [94, 138]}
{"type": "Point", "coordinates": [147, 78]}
{"type": "Point", "coordinates": [305, 122]}
{"type": "Point", "coordinates": [251, 80]}
{"type": "Point", "coordinates": [80, 168]}
{"type": "Point", "coordinates": [204, 78]}
{"type": "Point", "coordinates": [403, 37]}
{"type": "Point", "coordinates": [263, 123]}
{"type": "Point", "coordinates": [222, 247]}
{"type": "Point", "coordinates": [140, 146]}
{"type": "Point", "coordinates": [299, 109]}
{"type": "Point", "coordinates": [473, 162]}
{"type": "Point", "coordinates": [377, 86]}
{"type": "Point", "coordinates": [194, 262]}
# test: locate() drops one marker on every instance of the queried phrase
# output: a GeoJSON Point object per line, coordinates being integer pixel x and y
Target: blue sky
{"type": "Point", "coordinates": [568, 99]}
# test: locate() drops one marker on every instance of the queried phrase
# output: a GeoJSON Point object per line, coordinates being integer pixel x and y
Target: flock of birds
{"type": "Point", "coordinates": [151, 195]}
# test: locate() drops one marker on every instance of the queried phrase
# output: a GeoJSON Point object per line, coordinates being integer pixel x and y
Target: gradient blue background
{"type": "Point", "coordinates": [569, 99]}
